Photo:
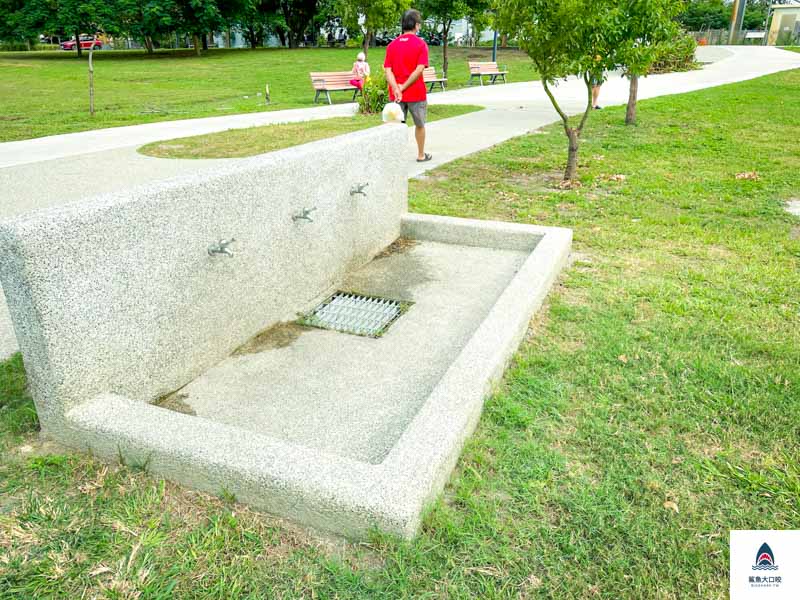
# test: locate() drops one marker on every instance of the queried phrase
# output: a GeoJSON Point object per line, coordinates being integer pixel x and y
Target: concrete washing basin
{"type": "Point", "coordinates": [140, 344]}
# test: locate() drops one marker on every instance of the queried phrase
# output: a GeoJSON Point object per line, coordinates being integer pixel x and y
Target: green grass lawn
{"type": "Point", "coordinates": [654, 406]}
{"type": "Point", "coordinates": [45, 93]}
{"type": "Point", "coordinates": [236, 143]}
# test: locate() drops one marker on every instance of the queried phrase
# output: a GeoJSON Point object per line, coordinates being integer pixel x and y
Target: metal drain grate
{"type": "Point", "coordinates": [356, 314]}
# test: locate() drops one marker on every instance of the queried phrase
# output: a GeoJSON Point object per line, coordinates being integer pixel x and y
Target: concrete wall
{"type": "Point", "coordinates": [118, 294]}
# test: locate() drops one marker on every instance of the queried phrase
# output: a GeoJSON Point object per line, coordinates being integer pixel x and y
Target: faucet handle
{"type": "Point", "coordinates": [359, 189]}
{"type": "Point", "coordinates": [221, 247]}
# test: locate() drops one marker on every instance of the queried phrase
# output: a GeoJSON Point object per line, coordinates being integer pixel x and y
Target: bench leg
{"type": "Point", "coordinates": [504, 78]}
{"type": "Point", "coordinates": [328, 94]}
{"type": "Point", "coordinates": [355, 93]}
{"type": "Point", "coordinates": [316, 97]}
{"type": "Point", "coordinates": [441, 83]}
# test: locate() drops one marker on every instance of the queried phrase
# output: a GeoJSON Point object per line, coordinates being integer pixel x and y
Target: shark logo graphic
{"type": "Point", "coordinates": [765, 559]}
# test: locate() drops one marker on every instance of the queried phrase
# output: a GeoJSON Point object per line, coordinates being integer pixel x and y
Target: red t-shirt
{"type": "Point", "coordinates": [404, 55]}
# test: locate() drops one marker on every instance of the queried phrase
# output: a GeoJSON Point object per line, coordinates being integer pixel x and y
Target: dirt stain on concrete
{"type": "Point", "coordinates": [176, 402]}
{"type": "Point", "coordinates": [399, 246]}
{"type": "Point", "coordinates": [279, 336]}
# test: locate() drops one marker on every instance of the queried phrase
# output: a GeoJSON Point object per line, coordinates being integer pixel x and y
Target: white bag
{"type": "Point", "coordinates": [392, 113]}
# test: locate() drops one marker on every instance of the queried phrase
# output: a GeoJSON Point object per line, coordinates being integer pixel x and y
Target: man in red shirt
{"type": "Point", "coordinates": [406, 58]}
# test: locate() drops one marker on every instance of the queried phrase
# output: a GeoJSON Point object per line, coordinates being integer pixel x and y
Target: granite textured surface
{"type": "Point", "coordinates": [326, 490]}
{"type": "Point", "coordinates": [351, 395]}
{"type": "Point", "coordinates": [119, 294]}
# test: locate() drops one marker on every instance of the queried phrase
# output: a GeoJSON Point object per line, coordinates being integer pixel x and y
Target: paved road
{"type": "Point", "coordinates": [49, 171]}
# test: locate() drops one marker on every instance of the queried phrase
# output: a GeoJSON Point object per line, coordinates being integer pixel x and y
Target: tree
{"type": "Point", "coordinates": [705, 14]}
{"type": "Point", "coordinates": [446, 12]}
{"type": "Point", "coordinates": [479, 18]}
{"type": "Point", "coordinates": [198, 18]}
{"type": "Point", "coordinates": [377, 14]}
{"type": "Point", "coordinates": [565, 38]}
{"type": "Point", "coordinates": [646, 24]}
{"type": "Point", "coordinates": [83, 16]}
{"type": "Point", "coordinates": [145, 20]}
{"type": "Point", "coordinates": [297, 15]}
{"type": "Point", "coordinates": [15, 25]}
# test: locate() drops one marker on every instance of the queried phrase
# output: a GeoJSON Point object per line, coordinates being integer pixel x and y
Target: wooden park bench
{"type": "Point", "coordinates": [431, 80]}
{"type": "Point", "coordinates": [485, 69]}
{"type": "Point", "coordinates": [333, 81]}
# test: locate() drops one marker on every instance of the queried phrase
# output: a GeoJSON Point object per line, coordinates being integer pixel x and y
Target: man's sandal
{"type": "Point", "coordinates": [426, 159]}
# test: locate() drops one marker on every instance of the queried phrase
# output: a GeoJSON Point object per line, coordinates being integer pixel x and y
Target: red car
{"type": "Point", "coordinates": [88, 42]}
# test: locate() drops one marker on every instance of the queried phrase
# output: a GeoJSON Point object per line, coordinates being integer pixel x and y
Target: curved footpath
{"type": "Point", "coordinates": [54, 170]}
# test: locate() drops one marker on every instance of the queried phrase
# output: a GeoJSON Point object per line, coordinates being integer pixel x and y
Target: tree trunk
{"type": "Point", "coordinates": [196, 42]}
{"type": "Point", "coordinates": [205, 41]}
{"type": "Point", "coordinates": [78, 42]}
{"type": "Point", "coordinates": [367, 40]}
{"type": "Point", "coordinates": [572, 158]}
{"type": "Point", "coordinates": [250, 36]}
{"type": "Point", "coordinates": [504, 41]}
{"type": "Point", "coordinates": [148, 44]}
{"type": "Point", "coordinates": [630, 114]}
{"type": "Point", "coordinates": [445, 36]}
{"type": "Point", "coordinates": [281, 36]}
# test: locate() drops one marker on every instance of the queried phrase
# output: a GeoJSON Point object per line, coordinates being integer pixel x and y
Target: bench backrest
{"type": "Point", "coordinates": [477, 68]}
{"type": "Point", "coordinates": [429, 74]}
{"type": "Point", "coordinates": [331, 79]}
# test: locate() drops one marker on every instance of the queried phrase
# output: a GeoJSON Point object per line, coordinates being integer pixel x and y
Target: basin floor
{"type": "Point", "coordinates": [354, 396]}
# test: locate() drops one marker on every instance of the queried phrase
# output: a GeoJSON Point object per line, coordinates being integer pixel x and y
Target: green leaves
{"type": "Point", "coordinates": [377, 14]}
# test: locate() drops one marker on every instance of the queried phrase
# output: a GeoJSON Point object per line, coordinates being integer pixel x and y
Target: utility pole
{"type": "Point", "coordinates": [494, 47]}
{"type": "Point", "coordinates": [737, 18]}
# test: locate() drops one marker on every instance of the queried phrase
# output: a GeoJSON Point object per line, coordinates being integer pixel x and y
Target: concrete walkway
{"type": "Point", "coordinates": [55, 170]}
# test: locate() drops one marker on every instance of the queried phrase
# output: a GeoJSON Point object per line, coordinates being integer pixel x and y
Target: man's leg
{"type": "Point", "coordinates": [419, 134]}
{"type": "Point", "coordinates": [419, 111]}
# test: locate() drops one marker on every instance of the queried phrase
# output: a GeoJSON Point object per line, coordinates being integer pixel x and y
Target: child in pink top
{"type": "Point", "coordinates": [360, 71]}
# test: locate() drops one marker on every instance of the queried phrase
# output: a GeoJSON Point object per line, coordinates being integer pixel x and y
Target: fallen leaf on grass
{"type": "Point", "coordinates": [569, 185]}
{"type": "Point", "coordinates": [491, 571]}
{"type": "Point", "coordinates": [617, 177]}
{"type": "Point", "coordinates": [748, 175]}
{"type": "Point", "coordinates": [623, 359]}
{"type": "Point", "coordinates": [670, 505]}
{"type": "Point", "coordinates": [100, 570]}
{"type": "Point", "coordinates": [532, 581]}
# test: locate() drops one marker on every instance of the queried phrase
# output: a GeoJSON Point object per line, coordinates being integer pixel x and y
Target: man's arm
{"type": "Point", "coordinates": [413, 77]}
{"type": "Point", "coordinates": [397, 91]}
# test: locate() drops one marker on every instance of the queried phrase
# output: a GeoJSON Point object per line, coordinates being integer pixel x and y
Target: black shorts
{"type": "Point", "coordinates": [418, 110]}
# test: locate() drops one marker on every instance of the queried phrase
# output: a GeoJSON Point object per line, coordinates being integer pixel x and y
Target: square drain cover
{"type": "Point", "coordinates": [356, 314]}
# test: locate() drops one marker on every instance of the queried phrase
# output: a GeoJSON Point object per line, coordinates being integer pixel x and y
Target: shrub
{"type": "Point", "coordinates": [675, 55]}
{"type": "Point", "coordinates": [24, 47]}
{"type": "Point", "coordinates": [375, 94]}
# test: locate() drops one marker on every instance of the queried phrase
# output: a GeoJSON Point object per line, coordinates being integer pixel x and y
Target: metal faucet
{"type": "Point", "coordinates": [221, 247]}
{"type": "Point", "coordinates": [359, 189]}
{"type": "Point", "coordinates": [305, 214]}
